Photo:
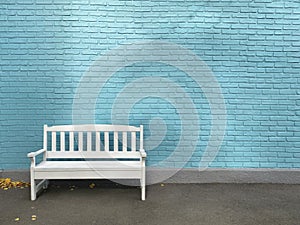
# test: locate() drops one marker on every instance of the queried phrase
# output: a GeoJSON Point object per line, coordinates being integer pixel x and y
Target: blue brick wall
{"type": "Point", "coordinates": [252, 48]}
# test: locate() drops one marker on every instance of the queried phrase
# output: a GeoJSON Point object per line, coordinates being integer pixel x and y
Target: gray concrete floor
{"type": "Point", "coordinates": [182, 204]}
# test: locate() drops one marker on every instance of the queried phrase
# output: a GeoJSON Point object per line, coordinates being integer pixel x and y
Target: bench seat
{"type": "Point", "coordinates": [88, 170]}
{"type": "Point", "coordinates": [114, 165]}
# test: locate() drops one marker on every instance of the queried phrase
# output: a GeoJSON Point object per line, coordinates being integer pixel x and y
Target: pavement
{"type": "Point", "coordinates": [74, 202]}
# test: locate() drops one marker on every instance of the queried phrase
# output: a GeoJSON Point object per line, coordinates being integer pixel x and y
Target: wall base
{"type": "Point", "coordinates": [211, 175]}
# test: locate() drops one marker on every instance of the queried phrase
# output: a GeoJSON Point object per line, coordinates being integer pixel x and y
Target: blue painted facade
{"type": "Point", "coordinates": [252, 48]}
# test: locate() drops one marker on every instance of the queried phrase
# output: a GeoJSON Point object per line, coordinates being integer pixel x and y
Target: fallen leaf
{"type": "Point", "coordinates": [6, 183]}
{"type": "Point", "coordinates": [17, 219]}
{"type": "Point", "coordinates": [162, 185]}
{"type": "Point", "coordinates": [92, 185]}
{"type": "Point", "coordinates": [72, 187]}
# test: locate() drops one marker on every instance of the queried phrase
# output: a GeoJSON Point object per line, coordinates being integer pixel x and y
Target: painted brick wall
{"type": "Point", "coordinates": [252, 48]}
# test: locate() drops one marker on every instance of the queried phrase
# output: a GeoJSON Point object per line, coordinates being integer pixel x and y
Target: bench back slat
{"type": "Point", "coordinates": [116, 141]}
{"type": "Point", "coordinates": [62, 141]}
{"type": "Point", "coordinates": [98, 144]}
{"type": "Point", "coordinates": [89, 141]}
{"type": "Point", "coordinates": [53, 145]}
{"type": "Point", "coordinates": [71, 141]}
{"type": "Point", "coordinates": [133, 141]}
{"type": "Point", "coordinates": [106, 141]}
{"type": "Point", "coordinates": [80, 141]}
{"type": "Point", "coordinates": [94, 141]}
{"type": "Point", "coordinates": [124, 139]}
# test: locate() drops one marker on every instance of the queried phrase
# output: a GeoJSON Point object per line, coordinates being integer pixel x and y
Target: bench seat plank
{"type": "Point", "coordinates": [85, 174]}
{"type": "Point", "coordinates": [88, 165]}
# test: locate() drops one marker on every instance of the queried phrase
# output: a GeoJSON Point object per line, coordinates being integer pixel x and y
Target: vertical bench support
{"type": "Point", "coordinates": [143, 161]}
{"type": "Point", "coordinates": [32, 180]}
{"type": "Point", "coordinates": [143, 180]}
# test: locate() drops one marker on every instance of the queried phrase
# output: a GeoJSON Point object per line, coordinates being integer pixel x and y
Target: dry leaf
{"type": "Point", "coordinates": [72, 188]}
{"type": "Point", "coordinates": [6, 183]}
{"type": "Point", "coordinates": [92, 185]}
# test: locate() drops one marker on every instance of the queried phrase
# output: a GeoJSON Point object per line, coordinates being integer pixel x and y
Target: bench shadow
{"type": "Point", "coordinates": [91, 184]}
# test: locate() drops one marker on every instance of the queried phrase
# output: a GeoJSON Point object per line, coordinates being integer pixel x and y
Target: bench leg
{"type": "Point", "coordinates": [32, 187]}
{"type": "Point", "coordinates": [35, 188]}
{"type": "Point", "coordinates": [143, 197]}
{"type": "Point", "coordinates": [143, 183]}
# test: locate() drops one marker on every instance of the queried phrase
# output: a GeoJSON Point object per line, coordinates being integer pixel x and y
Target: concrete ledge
{"type": "Point", "coordinates": [211, 175]}
{"type": "Point", "coordinates": [278, 176]}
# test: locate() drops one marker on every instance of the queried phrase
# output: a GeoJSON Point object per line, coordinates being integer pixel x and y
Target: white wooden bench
{"type": "Point", "coordinates": [89, 152]}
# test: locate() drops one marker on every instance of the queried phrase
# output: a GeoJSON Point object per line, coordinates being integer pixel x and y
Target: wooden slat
{"type": "Point", "coordinates": [71, 141]}
{"type": "Point", "coordinates": [116, 144]}
{"type": "Point", "coordinates": [94, 155]}
{"type": "Point", "coordinates": [98, 141]}
{"type": "Point", "coordinates": [106, 141]}
{"type": "Point", "coordinates": [89, 141]}
{"type": "Point", "coordinates": [124, 141]}
{"type": "Point", "coordinates": [53, 145]}
{"type": "Point", "coordinates": [62, 141]}
{"type": "Point", "coordinates": [93, 128]}
{"type": "Point", "coordinates": [80, 141]}
{"type": "Point", "coordinates": [133, 141]}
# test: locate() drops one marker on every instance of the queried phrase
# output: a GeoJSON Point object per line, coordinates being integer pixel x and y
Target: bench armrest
{"type": "Point", "coordinates": [143, 153]}
{"type": "Point", "coordinates": [33, 154]}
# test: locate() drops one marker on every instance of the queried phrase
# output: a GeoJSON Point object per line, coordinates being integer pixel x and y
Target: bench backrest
{"type": "Point", "coordinates": [93, 141]}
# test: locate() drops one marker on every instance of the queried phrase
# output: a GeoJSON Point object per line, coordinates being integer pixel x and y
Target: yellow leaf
{"type": "Point", "coordinates": [17, 219]}
{"type": "Point", "coordinates": [7, 180]}
{"type": "Point", "coordinates": [92, 185]}
{"type": "Point", "coordinates": [6, 183]}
